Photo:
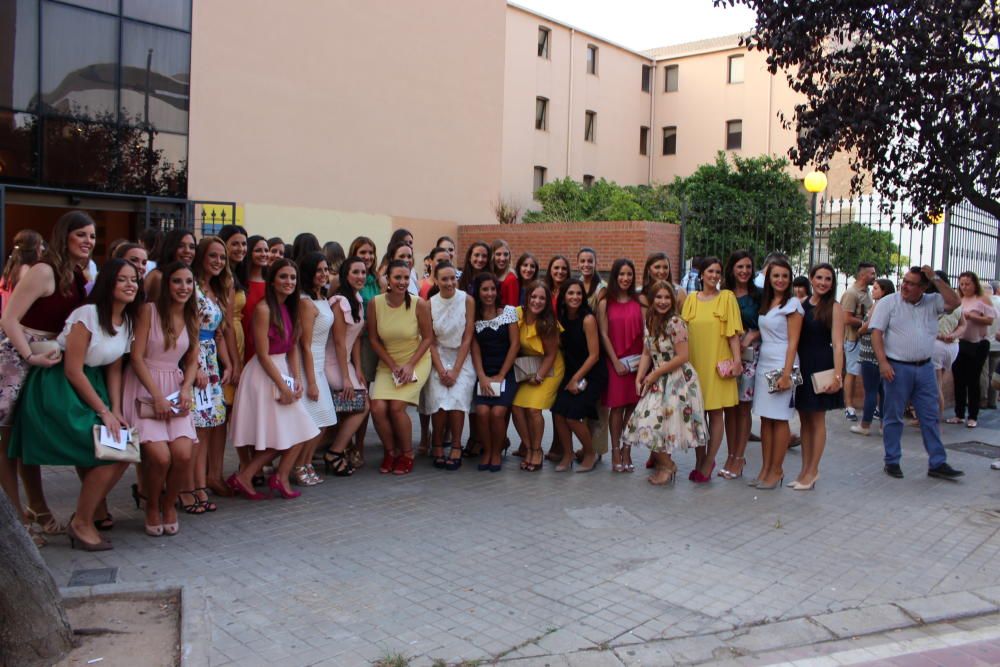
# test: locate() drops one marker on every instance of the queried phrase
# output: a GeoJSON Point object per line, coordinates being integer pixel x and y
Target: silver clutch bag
{"type": "Point", "coordinates": [772, 378]}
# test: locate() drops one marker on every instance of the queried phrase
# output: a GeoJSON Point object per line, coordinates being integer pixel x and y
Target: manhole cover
{"type": "Point", "coordinates": [95, 577]}
{"type": "Point", "coordinates": [977, 448]}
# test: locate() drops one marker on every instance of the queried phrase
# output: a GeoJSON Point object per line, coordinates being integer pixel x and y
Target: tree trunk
{"type": "Point", "coordinates": [34, 629]}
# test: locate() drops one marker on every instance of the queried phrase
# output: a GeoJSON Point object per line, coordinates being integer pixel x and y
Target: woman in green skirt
{"type": "Point", "coordinates": [59, 406]}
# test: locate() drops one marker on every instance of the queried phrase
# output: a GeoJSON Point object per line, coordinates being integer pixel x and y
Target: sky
{"type": "Point", "coordinates": [645, 24]}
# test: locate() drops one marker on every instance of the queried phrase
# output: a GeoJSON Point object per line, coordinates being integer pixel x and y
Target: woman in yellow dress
{"type": "Point", "coordinates": [400, 332]}
{"type": "Point", "coordinates": [714, 328]}
{"type": "Point", "coordinates": [539, 332]}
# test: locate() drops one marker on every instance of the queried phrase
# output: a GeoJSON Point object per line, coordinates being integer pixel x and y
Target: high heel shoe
{"type": "Point", "coordinates": [237, 486]}
{"type": "Point", "coordinates": [729, 474]}
{"type": "Point", "coordinates": [137, 497]}
{"type": "Point", "coordinates": [171, 529]}
{"type": "Point", "coordinates": [771, 487]}
{"type": "Point", "coordinates": [154, 531]}
{"type": "Point", "coordinates": [275, 485]}
{"type": "Point", "coordinates": [337, 464]}
{"type": "Point", "coordinates": [46, 521]}
{"type": "Point", "coordinates": [388, 464]}
{"type": "Point", "coordinates": [703, 479]}
{"type": "Point", "coordinates": [799, 486]}
{"type": "Point", "coordinates": [671, 477]}
{"type": "Point", "coordinates": [75, 542]}
{"type": "Point", "coordinates": [404, 465]}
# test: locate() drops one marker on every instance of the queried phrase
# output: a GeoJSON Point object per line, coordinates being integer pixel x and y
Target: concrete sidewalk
{"type": "Point", "coordinates": [576, 569]}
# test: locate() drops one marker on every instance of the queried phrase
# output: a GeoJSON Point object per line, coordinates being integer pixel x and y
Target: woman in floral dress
{"type": "Point", "coordinates": [670, 414]}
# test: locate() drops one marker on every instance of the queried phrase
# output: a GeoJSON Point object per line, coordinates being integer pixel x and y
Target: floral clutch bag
{"type": "Point", "coordinates": [772, 378]}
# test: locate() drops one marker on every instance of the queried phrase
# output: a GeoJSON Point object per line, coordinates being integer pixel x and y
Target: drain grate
{"type": "Point", "coordinates": [95, 577]}
{"type": "Point", "coordinates": [977, 448]}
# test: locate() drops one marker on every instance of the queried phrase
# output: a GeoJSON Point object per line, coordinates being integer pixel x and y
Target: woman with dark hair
{"type": "Point", "coordinates": [276, 249]}
{"type": "Point", "coordinates": [594, 286]}
{"type": "Point", "coordinates": [714, 327]}
{"type": "Point", "coordinates": [235, 238]}
{"type": "Point", "coordinates": [400, 331]}
{"type": "Point", "coordinates": [334, 258]}
{"type": "Point", "coordinates": [364, 248]}
{"type": "Point", "coordinates": [973, 348]}
{"type": "Point", "coordinates": [556, 275]}
{"type": "Point", "coordinates": [448, 244]}
{"type": "Point", "coordinates": [801, 288]}
{"type": "Point", "coordinates": [539, 336]}
{"type": "Point", "coordinates": [268, 414]}
{"type": "Point", "coordinates": [447, 395]}
{"type": "Point", "coordinates": [780, 323]}
{"type": "Point", "coordinates": [620, 318]}
{"type": "Point", "coordinates": [316, 322]}
{"type": "Point", "coordinates": [526, 270]}
{"type": "Point", "coordinates": [739, 278]}
{"type": "Point", "coordinates": [165, 343]}
{"type": "Point", "coordinates": [178, 245]}
{"type": "Point", "coordinates": [477, 260]}
{"type": "Point", "coordinates": [28, 249]}
{"type": "Point", "coordinates": [657, 269]}
{"type": "Point", "coordinates": [60, 405]}
{"type": "Point", "coordinates": [494, 349]}
{"type": "Point", "coordinates": [33, 317]}
{"type": "Point", "coordinates": [399, 237]}
{"type": "Point", "coordinates": [304, 244]}
{"type": "Point", "coordinates": [576, 402]}
{"type": "Point", "coordinates": [134, 254]}
{"type": "Point", "coordinates": [870, 375]}
{"type": "Point", "coordinates": [401, 251]}
{"type": "Point", "coordinates": [343, 367]}
{"type": "Point", "coordinates": [669, 415]}
{"type": "Point", "coordinates": [252, 274]}
{"type": "Point", "coordinates": [214, 299]}
{"type": "Point", "coordinates": [822, 326]}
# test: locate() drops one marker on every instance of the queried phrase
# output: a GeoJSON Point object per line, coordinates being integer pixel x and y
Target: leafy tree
{"type": "Point", "coordinates": [854, 243]}
{"type": "Point", "coordinates": [750, 203]}
{"type": "Point", "coordinates": [908, 89]}
{"type": "Point", "coordinates": [567, 200]}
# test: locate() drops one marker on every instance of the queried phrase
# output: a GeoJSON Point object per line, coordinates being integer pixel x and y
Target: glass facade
{"type": "Point", "coordinates": [94, 94]}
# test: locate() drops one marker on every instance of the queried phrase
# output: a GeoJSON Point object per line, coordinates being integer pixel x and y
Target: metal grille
{"type": "Point", "coordinates": [973, 243]}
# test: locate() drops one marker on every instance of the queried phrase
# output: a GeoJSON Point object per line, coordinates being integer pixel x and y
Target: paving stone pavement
{"type": "Point", "coordinates": [468, 565]}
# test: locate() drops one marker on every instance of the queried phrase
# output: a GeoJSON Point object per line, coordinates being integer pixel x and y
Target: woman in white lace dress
{"type": "Point", "coordinates": [448, 392]}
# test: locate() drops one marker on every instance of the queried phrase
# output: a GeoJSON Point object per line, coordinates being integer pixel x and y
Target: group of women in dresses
{"type": "Point", "coordinates": [283, 351]}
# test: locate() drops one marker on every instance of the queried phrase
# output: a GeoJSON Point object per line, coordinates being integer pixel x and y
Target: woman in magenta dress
{"type": "Point", "coordinates": [166, 340]}
{"type": "Point", "coordinates": [619, 317]}
{"type": "Point", "coordinates": [268, 414]}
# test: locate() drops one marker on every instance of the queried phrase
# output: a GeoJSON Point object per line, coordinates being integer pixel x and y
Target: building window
{"type": "Point", "coordinates": [588, 181]}
{"type": "Point", "coordinates": [539, 180]}
{"type": "Point", "coordinates": [734, 135]}
{"type": "Point", "coordinates": [590, 126]}
{"type": "Point", "coordinates": [541, 113]}
{"type": "Point", "coordinates": [647, 75]}
{"type": "Point", "coordinates": [670, 75]}
{"type": "Point", "coordinates": [735, 69]}
{"type": "Point", "coordinates": [643, 140]}
{"type": "Point", "coordinates": [591, 59]}
{"type": "Point", "coordinates": [670, 140]}
{"type": "Point", "coordinates": [543, 41]}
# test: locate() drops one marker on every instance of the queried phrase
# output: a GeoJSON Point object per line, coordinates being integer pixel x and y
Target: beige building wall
{"type": "Point", "coordinates": [336, 116]}
{"type": "Point", "coordinates": [614, 93]}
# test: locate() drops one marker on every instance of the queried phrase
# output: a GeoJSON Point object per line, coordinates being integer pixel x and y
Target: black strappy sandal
{"type": "Point", "coordinates": [337, 464]}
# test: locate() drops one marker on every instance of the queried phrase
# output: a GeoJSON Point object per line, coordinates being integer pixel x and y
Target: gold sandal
{"type": "Point", "coordinates": [48, 523]}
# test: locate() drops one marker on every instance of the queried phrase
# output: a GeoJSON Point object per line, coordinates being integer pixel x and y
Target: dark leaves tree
{"type": "Point", "coordinates": [910, 90]}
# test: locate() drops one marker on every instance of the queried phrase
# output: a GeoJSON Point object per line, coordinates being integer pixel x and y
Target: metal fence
{"type": "Point", "coordinates": [841, 230]}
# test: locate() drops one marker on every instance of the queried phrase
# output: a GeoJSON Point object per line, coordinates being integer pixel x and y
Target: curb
{"type": "Point", "coordinates": [194, 626]}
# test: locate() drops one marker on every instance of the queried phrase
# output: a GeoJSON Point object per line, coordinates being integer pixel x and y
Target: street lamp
{"type": "Point", "coordinates": [815, 183]}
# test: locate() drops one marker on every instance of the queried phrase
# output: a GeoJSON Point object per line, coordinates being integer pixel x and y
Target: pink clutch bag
{"type": "Point", "coordinates": [724, 368]}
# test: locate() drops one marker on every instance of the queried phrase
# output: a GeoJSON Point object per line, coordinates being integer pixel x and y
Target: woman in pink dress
{"type": "Point", "coordinates": [343, 360]}
{"type": "Point", "coordinates": [619, 318]}
{"type": "Point", "coordinates": [164, 332]}
{"type": "Point", "coordinates": [268, 414]}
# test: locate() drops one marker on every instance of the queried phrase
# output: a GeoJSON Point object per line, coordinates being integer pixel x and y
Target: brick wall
{"type": "Point", "coordinates": [611, 240]}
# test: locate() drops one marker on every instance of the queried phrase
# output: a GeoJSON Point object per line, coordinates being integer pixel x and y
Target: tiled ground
{"type": "Point", "coordinates": [470, 565]}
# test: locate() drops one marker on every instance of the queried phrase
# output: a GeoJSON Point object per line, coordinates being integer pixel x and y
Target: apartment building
{"type": "Point", "coordinates": [345, 118]}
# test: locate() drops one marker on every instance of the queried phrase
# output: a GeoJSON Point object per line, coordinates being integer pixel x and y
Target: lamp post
{"type": "Point", "coordinates": [935, 219]}
{"type": "Point", "coordinates": [815, 183]}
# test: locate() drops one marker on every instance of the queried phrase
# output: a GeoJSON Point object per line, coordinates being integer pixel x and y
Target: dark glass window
{"type": "Point", "coordinates": [735, 69]}
{"type": "Point", "coordinates": [153, 162]}
{"type": "Point", "coordinates": [647, 73]}
{"type": "Point", "coordinates": [156, 73]}
{"type": "Point", "coordinates": [734, 135]}
{"type": "Point", "coordinates": [110, 6]}
{"type": "Point", "coordinates": [670, 140]}
{"type": "Point", "coordinates": [643, 140]}
{"type": "Point", "coordinates": [18, 53]}
{"type": "Point", "coordinates": [541, 113]}
{"type": "Point", "coordinates": [173, 13]}
{"type": "Point", "coordinates": [79, 154]}
{"type": "Point", "coordinates": [544, 35]}
{"type": "Point", "coordinates": [590, 126]}
{"type": "Point", "coordinates": [591, 59]}
{"type": "Point", "coordinates": [539, 180]}
{"type": "Point", "coordinates": [588, 181]}
{"type": "Point", "coordinates": [671, 76]}
{"type": "Point", "coordinates": [79, 62]}
{"type": "Point", "coordinates": [17, 145]}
